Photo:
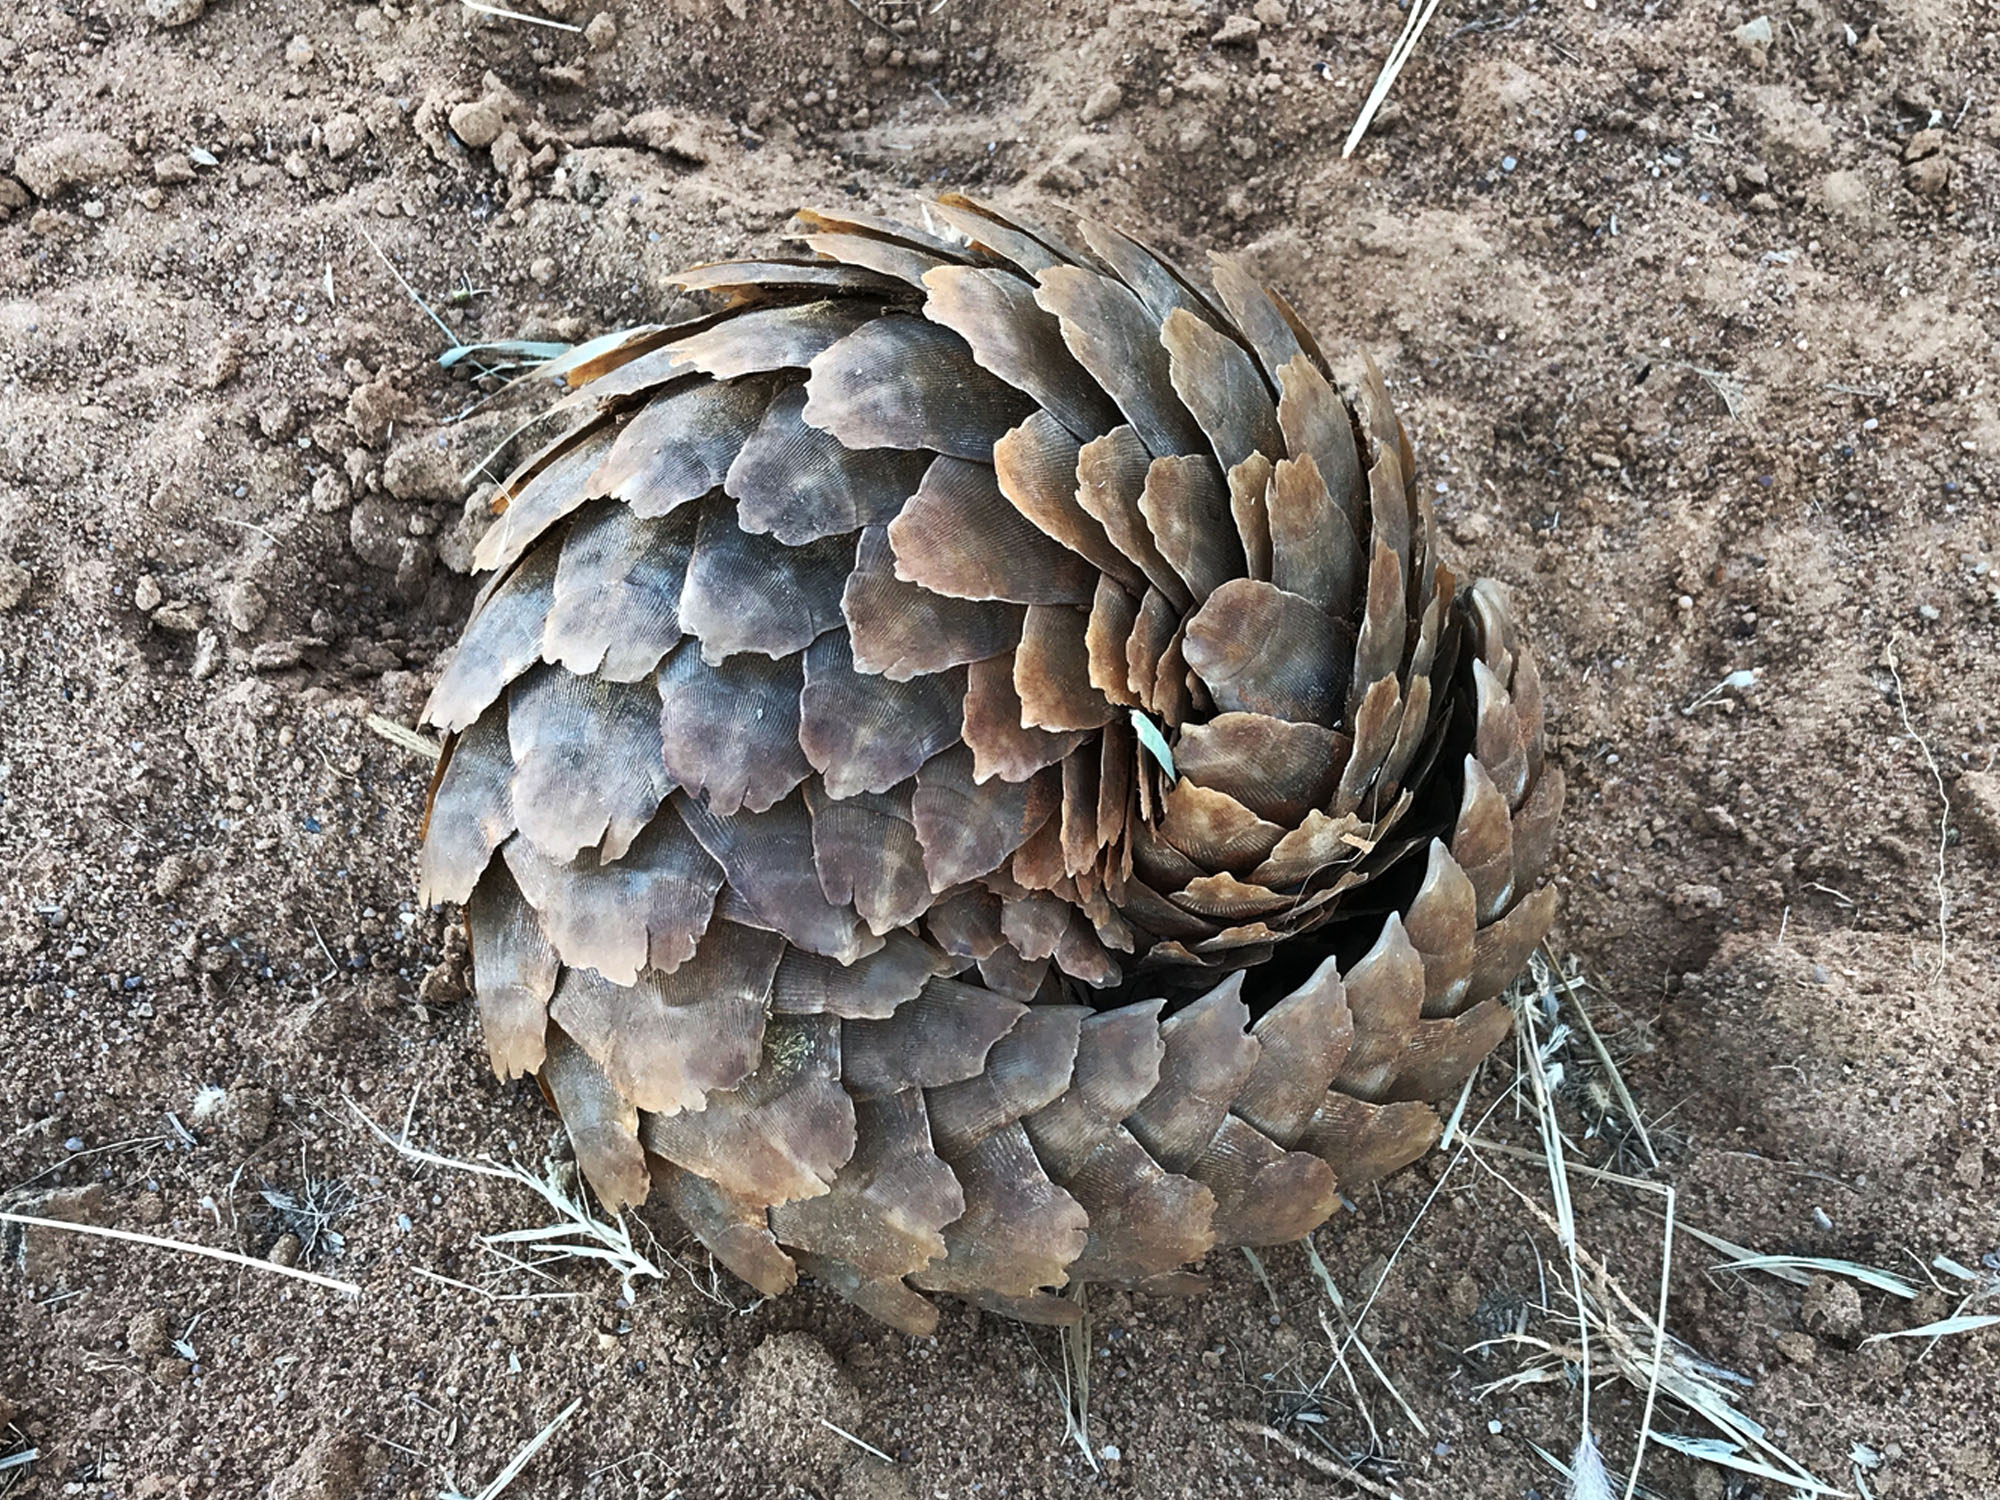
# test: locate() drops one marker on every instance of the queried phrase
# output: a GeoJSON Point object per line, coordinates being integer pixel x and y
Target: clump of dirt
{"type": "Point", "coordinates": [798, 1411]}
{"type": "Point", "coordinates": [1691, 319]}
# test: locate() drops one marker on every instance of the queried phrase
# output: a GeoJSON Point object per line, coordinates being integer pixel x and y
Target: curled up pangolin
{"type": "Point", "coordinates": [970, 774]}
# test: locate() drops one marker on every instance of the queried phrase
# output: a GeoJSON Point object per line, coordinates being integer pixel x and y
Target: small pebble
{"type": "Point", "coordinates": [477, 122]}
{"type": "Point", "coordinates": [341, 135]}
{"type": "Point", "coordinates": [176, 12]}
{"type": "Point", "coordinates": [170, 875]}
{"type": "Point", "coordinates": [243, 606]}
{"type": "Point", "coordinates": [1754, 33]}
{"type": "Point", "coordinates": [14, 581]}
{"type": "Point", "coordinates": [149, 1334]}
{"type": "Point", "coordinates": [1104, 102]}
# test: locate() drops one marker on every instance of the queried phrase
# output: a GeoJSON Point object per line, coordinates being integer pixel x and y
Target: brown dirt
{"type": "Point", "coordinates": [228, 533]}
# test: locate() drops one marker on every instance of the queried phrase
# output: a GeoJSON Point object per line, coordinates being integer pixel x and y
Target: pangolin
{"type": "Point", "coordinates": [969, 772]}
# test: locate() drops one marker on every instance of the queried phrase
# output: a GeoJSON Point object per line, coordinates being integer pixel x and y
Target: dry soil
{"type": "Point", "coordinates": [1694, 328]}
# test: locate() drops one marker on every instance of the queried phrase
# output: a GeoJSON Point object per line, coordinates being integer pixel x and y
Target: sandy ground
{"type": "Point", "coordinates": [1695, 334]}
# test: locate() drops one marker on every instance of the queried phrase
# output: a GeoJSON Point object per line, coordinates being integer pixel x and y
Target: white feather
{"type": "Point", "coordinates": [1587, 1479]}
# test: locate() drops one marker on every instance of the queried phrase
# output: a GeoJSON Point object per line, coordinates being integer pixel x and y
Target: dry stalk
{"type": "Point", "coordinates": [207, 1252]}
{"type": "Point", "coordinates": [1399, 55]}
{"type": "Point", "coordinates": [514, 15]}
{"type": "Point", "coordinates": [520, 1460]}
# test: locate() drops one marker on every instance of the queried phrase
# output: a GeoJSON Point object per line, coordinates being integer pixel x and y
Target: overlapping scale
{"type": "Point", "coordinates": [970, 775]}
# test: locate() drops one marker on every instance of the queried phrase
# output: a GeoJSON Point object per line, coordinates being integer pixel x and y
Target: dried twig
{"type": "Point", "coordinates": [1329, 1466]}
{"type": "Point", "coordinates": [405, 738]}
{"type": "Point", "coordinates": [577, 1234]}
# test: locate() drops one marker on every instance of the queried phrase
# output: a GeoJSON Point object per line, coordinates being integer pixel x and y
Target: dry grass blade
{"type": "Point", "coordinates": [1263, 1277]}
{"type": "Point", "coordinates": [1073, 1378]}
{"type": "Point", "coordinates": [1644, 1355]}
{"type": "Point", "coordinates": [1881, 1281]}
{"type": "Point", "coordinates": [862, 1443]}
{"type": "Point", "coordinates": [1340, 1345]}
{"type": "Point", "coordinates": [492, 1296]}
{"type": "Point", "coordinates": [1965, 1323]}
{"type": "Point", "coordinates": [14, 1468]}
{"type": "Point", "coordinates": [1075, 1342]}
{"type": "Point", "coordinates": [521, 1459]}
{"type": "Point", "coordinates": [19, 1460]}
{"type": "Point", "coordinates": [1544, 990]}
{"type": "Point", "coordinates": [207, 1252]}
{"type": "Point", "coordinates": [428, 311]}
{"type": "Point", "coordinates": [1572, 995]}
{"type": "Point", "coordinates": [1458, 1111]}
{"type": "Point", "coordinates": [1730, 1455]}
{"type": "Point", "coordinates": [1537, 1054]}
{"type": "Point", "coordinates": [514, 15]}
{"type": "Point", "coordinates": [1400, 54]}
{"type": "Point", "coordinates": [1797, 1269]}
{"type": "Point", "coordinates": [1388, 1269]}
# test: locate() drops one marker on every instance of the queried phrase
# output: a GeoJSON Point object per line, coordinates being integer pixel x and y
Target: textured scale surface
{"type": "Point", "coordinates": [969, 773]}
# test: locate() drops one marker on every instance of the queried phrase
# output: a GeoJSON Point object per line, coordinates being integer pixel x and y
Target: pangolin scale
{"type": "Point", "coordinates": [969, 773]}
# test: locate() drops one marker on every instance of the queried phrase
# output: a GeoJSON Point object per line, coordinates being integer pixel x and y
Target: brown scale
{"type": "Point", "coordinates": [970, 774]}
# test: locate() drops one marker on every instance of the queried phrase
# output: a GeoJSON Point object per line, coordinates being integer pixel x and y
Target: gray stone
{"type": "Point", "coordinates": [377, 529]}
